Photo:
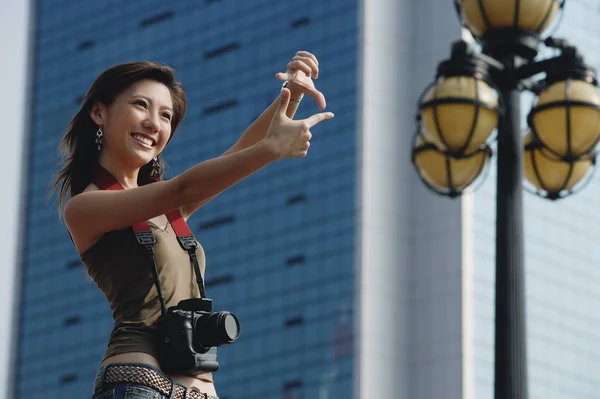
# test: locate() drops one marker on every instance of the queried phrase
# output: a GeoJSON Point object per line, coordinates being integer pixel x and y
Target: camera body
{"type": "Point", "coordinates": [189, 334]}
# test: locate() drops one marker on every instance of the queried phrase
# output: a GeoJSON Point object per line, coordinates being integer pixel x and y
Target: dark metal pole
{"type": "Point", "coordinates": [510, 339]}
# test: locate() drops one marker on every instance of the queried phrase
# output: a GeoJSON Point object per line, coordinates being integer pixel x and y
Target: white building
{"type": "Point", "coordinates": [427, 263]}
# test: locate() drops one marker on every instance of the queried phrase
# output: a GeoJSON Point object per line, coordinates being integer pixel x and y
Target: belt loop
{"type": "Point", "coordinates": [173, 389]}
{"type": "Point", "coordinates": [99, 381]}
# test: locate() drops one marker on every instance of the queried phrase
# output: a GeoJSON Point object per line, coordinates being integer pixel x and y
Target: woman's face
{"type": "Point", "coordinates": [137, 125]}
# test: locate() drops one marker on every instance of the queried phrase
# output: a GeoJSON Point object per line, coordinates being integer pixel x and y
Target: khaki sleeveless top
{"type": "Point", "coordinates": [122, 269]}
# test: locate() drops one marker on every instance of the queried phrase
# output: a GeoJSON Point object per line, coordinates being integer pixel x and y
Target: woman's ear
{"type": "Point", "coordinates": [98, 114]}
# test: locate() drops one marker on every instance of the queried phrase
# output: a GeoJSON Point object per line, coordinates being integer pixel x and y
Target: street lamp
{"type": "Point", "coordinates": [567, 115]}
{"type": "Point", "coordinates": [446, 174]}
{"type": "Point", "coordinates": [551, 176]}
{"type": "Point", "coordinates": [459, 112]}
{"type": "Point", "coordinates": [475, 93]}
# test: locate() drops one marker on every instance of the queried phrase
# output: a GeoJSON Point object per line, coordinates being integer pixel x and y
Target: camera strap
{"type": "Point", "coordinates": [145, 237]}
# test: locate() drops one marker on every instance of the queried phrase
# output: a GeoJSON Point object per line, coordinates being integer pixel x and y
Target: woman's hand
{"type": "Point", "coordinates": [288, 138]}
{"type": "Point", "coordinates": [301, 71]}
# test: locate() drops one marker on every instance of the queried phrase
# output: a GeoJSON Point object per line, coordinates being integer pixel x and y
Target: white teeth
{"type": "Point", "coordinates": [143, 139]}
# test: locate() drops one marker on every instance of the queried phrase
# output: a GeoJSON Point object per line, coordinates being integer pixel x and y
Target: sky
{"type": "Point", "coordinates": [14, 15]}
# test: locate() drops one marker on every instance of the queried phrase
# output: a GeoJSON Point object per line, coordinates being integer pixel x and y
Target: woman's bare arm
{"type": "Point", "coordinates": [254, 134]}
{"type": "Point", "coordinates": [93, 213]}
{"type": "Point", "coordinates": [299, 72]}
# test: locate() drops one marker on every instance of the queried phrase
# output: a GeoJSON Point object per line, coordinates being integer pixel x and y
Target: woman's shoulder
{"type": "Point", "coordinates": [91, 187]}
{"type": "Point", "coordinates": [82, 245]}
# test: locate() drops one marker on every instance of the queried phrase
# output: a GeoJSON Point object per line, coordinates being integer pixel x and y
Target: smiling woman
{"type": "Point", "coordinates": [112, 90]}
{"type": "Point", "coordinates": [137, 127]}
{"type": "Point", "coordinates": [129, 225]}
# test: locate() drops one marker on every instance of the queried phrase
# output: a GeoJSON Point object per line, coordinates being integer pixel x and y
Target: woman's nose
{"type": "Point", "coordinates": [151, 123]}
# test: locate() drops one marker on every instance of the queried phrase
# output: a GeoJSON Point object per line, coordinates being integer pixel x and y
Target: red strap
{"type": "Point", "coordinates": [104, 180]}
{"type": "Point", "coordinates": [178, 223]}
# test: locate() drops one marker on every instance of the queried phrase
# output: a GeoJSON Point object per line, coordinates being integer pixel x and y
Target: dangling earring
{"type": "Point", "coordinates": [99, 136]}
{"type": "Point", "coordinates": [155, 167]}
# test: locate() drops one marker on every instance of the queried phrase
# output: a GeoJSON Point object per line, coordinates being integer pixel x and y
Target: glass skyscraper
{"type": "Point", "coordinates": [279, 245]}
{"type": "Point", "coordinates": [350, 279]}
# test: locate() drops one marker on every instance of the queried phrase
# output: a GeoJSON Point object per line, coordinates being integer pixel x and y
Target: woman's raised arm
{"type": "Point", "coordinates": [93, 213]}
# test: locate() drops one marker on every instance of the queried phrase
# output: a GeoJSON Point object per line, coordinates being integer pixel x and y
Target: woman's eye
{"type": "Point", "coordinates": [142, 103]}
{"type": "Point", "coordinates": [168, 116]}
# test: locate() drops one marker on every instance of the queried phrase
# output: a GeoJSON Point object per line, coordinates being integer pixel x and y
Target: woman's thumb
{"type": "Point", "coordinates": [284, 99]}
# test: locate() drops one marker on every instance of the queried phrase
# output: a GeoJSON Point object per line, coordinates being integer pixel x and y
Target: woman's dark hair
{"type": "Point", "coordinates": [79, 147]}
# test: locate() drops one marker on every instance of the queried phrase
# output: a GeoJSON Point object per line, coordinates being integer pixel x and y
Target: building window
{"type": "Point", "coordinates": [216, 222]}
{"type": "Point", "coordinates": [228, 278]}
{"type": "Point", "coordinates": [295, 321]}
{"type": "Point", "coordinates": [85, 44]}
{"type": "Point", "coordinates": [74, 264]}
{"type": "Point", "coordinates": [294, 260]}
{"type": "Point", "coordinates": [296, 198]}
{"type": "Point", "coordinates": [220, 107]}
{"type": "Point", "coordinates": [68, 378]}
{"type": "Point", "coordinates": [297, 23]}
{"type": "Point", "coordinates": [154, 19]}
{"type": "Point", "coordinates": [290, 387]}
{"type": "Point", "coordinates": [221, 50]}
{"type": "Point", "coordinates": [71, 321]}
{"type": "Point", "coordinates": [292, 384]}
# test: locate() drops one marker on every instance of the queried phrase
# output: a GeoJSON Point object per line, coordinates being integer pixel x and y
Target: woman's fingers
{"type": "Point", "coordinates": [305, 62]}
{"type": "Point", "coordinates": [316, 118]}
{"type": "Point", "coordinates": [284, 101]}
{"type": "Point", "coordinates": [319, 98]}
{"type": "Point", "coordinates": [309, 55]}
{"type": "Point", "coordinates": [288, 138]}
{"type": "Point", "coordinates": [300, 65]}
{"type": "Point", "coordinates": [299, 82]}
{"type": "Point", "coordinates": [310, 63]}
{"type": "Point", "coordinates": [304, 53]}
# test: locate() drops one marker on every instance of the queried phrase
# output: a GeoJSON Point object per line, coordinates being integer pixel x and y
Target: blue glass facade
{"type": "Point", "coordinates": [561, 261]}
{"type": "Point", "coordinates": [279, 245]}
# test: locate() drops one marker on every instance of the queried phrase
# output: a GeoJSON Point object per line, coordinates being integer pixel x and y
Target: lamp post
{"type": "Point", "coordinates": [475, 93]}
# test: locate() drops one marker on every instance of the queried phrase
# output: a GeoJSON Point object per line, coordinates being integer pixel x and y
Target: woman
{"type": "Point", "coordinates": [129, 115]}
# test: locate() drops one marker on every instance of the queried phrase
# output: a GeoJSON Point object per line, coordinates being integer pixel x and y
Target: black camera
{"type": "Point", "coordinates": [189, 334]}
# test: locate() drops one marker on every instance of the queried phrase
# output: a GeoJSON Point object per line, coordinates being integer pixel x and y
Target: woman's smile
{"type": "Point", "coordinates": [143, 140]}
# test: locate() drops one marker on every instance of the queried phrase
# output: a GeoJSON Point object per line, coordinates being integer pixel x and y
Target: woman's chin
{"type": "Point", "coordinates": [141, 158]}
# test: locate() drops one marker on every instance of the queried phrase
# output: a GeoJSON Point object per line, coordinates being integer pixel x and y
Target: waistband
{"type": "Point", "coordinates": [144, 374]}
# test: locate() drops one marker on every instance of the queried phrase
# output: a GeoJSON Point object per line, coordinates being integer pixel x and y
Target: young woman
{"type": "Point", "coordinates": [128, 117]}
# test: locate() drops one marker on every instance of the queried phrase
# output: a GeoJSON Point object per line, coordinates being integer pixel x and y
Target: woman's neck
{"type": "Point", "coordinates": [126, 175]}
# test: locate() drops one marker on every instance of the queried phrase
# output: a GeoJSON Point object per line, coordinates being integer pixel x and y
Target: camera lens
{"type": "Point", "coordinates": [218, 328]}
{"type": "Point", "coordinates": [231, 326]}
